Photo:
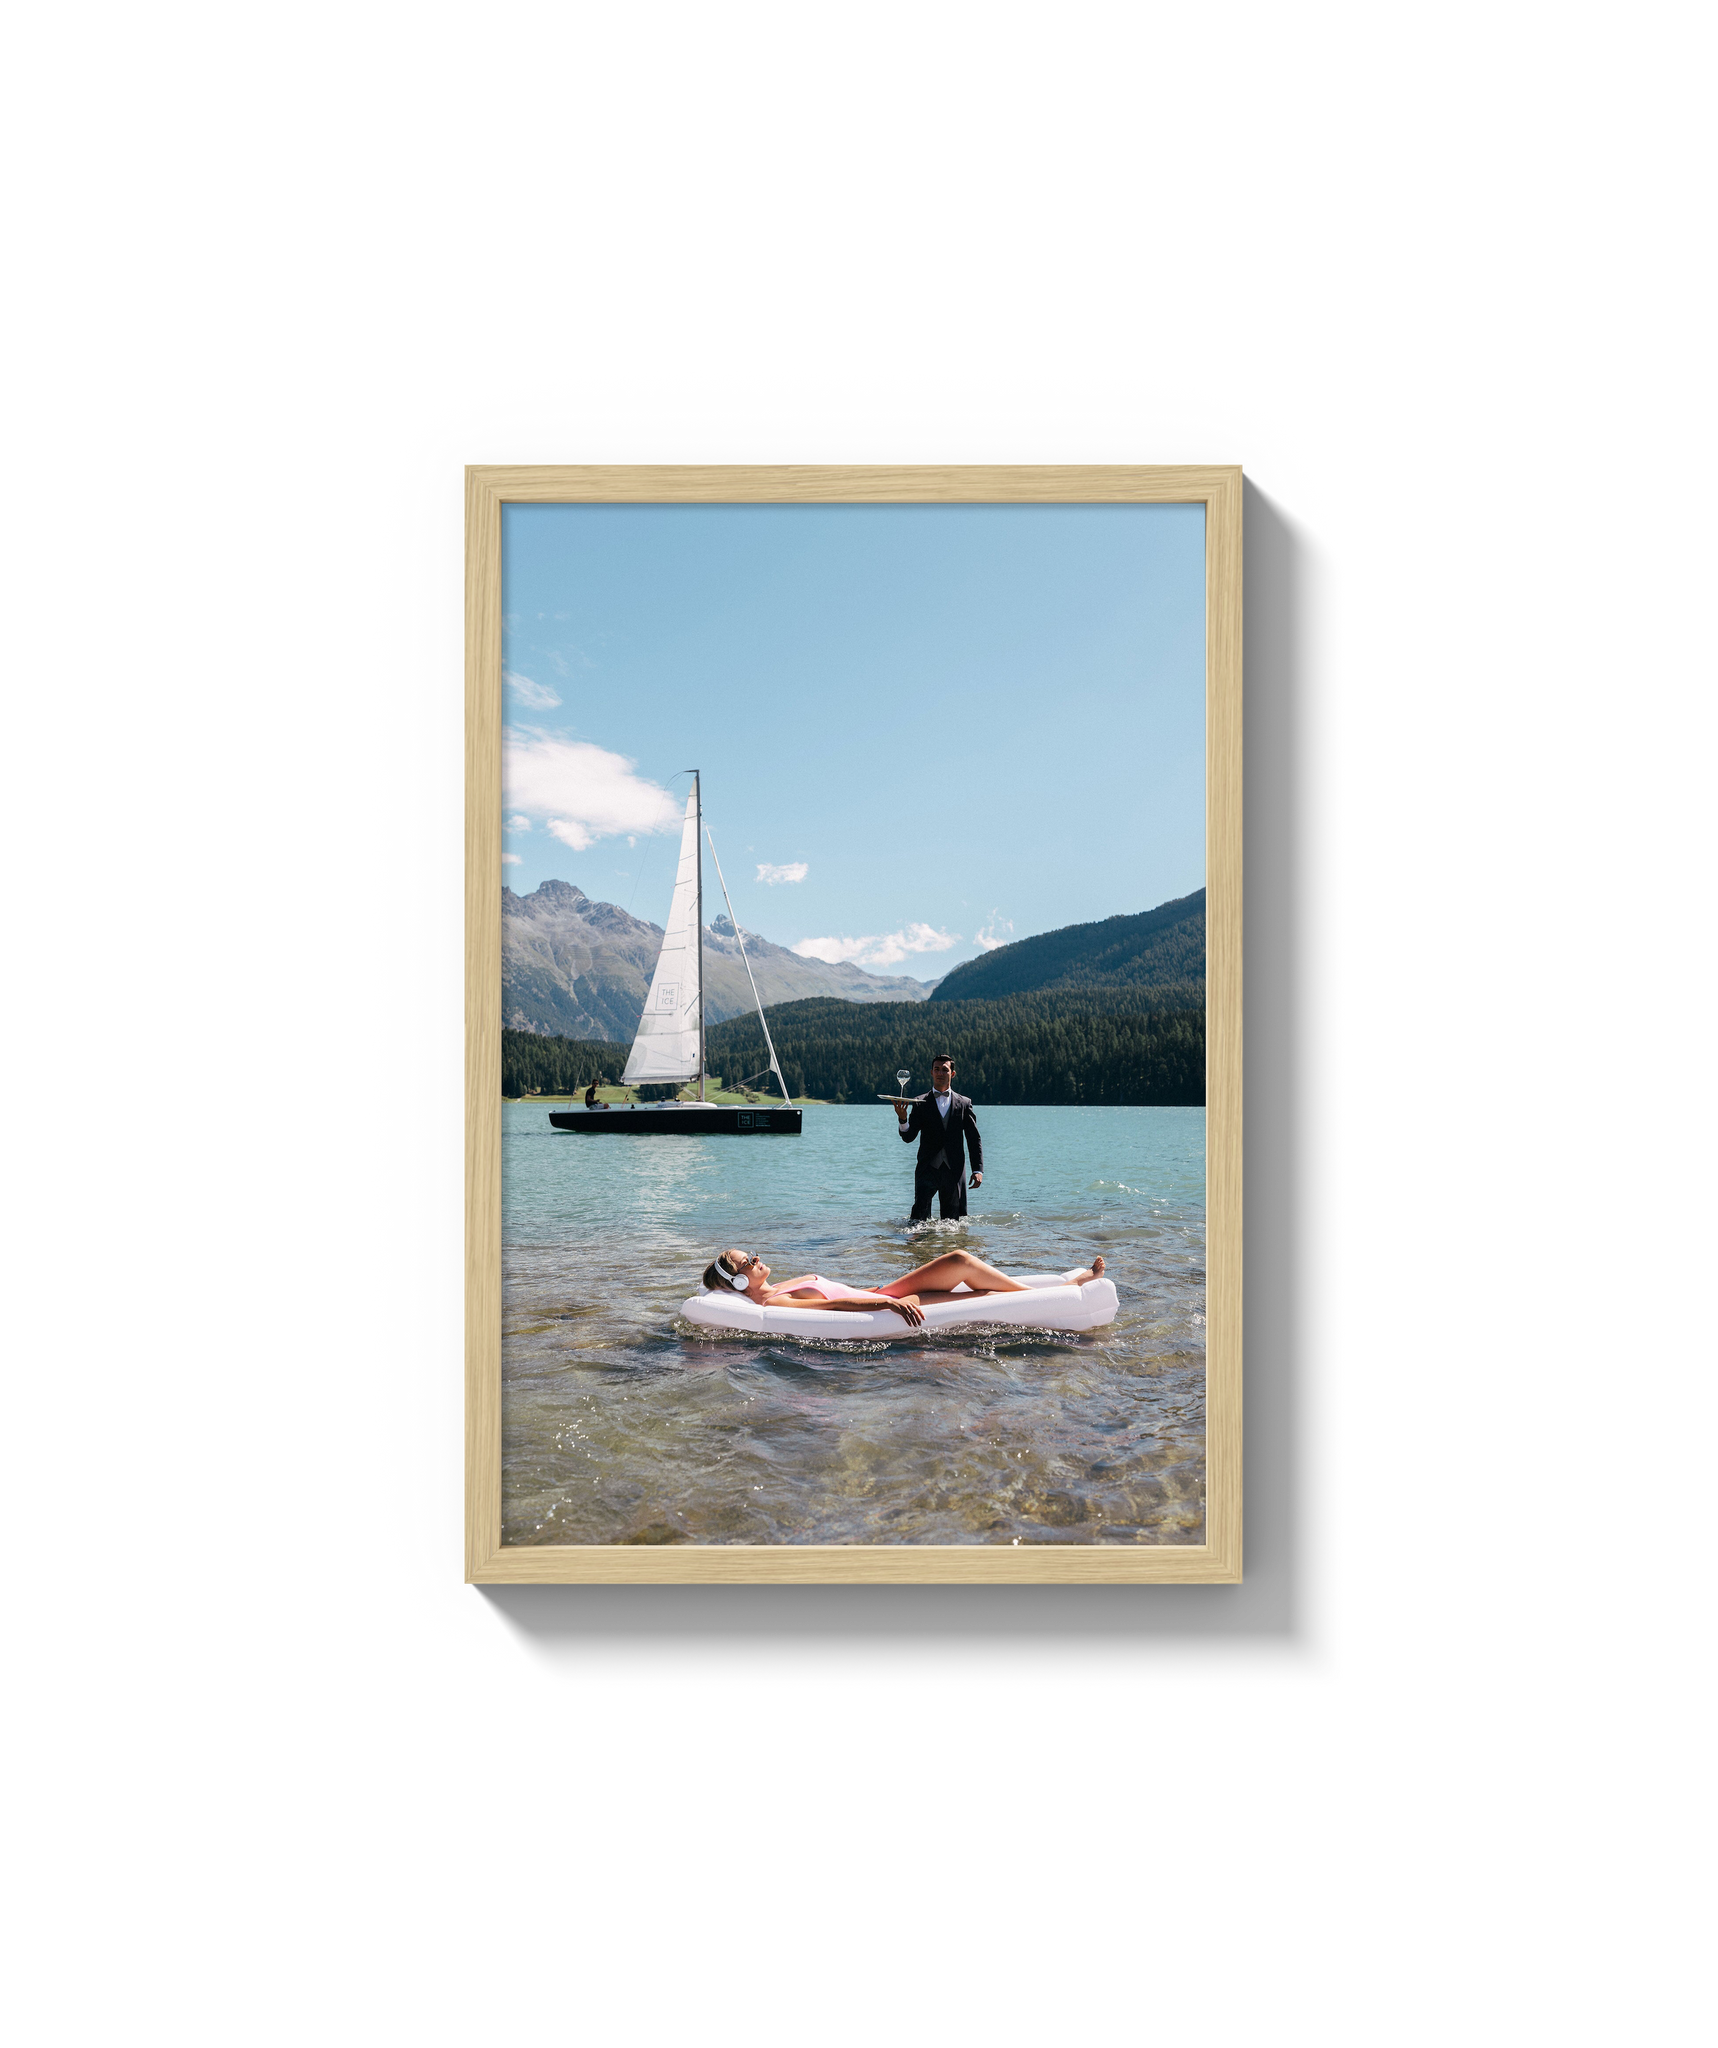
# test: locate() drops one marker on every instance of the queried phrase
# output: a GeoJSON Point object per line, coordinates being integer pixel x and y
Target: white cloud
{"type": "Point", "coordinates": [924, 938]}
{"type": "Point", "coordinates": [519, 824]}
{"type": "Point", "coordinates": [793, 871]}
{"type": "Point", "coordinates": [887, 949]}
{"type": "Point", "coordinates": [538, 696]}
{"type": "Point", "coordinates": [581, 792]}
{"type": "Point", "coordinates": [511, 860]}
{"type": "Point", "coordinates": [998, 931]}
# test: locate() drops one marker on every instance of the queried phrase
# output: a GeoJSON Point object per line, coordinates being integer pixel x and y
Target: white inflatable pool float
{"type": "Point", "coordinates": [1052, 1304]}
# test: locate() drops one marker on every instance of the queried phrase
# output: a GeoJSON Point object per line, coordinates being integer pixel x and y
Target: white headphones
{"type": "Point", "coordinates": [740, 1281]}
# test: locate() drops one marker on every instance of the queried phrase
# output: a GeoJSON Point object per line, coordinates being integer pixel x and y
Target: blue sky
{"type": "Point", "coordinates": [924, 730]}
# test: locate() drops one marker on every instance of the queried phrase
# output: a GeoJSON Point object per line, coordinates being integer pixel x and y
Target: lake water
{"type": "Point", "coordinates": [622, 1423]}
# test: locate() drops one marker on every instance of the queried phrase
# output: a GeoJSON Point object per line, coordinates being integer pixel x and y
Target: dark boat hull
{"type": "Point", "coordinates": [681, 1119]}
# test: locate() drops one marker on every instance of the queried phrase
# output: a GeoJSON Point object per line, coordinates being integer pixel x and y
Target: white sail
{"type": "Point", "coordinates": [669, 1045]}
{"type": "Point", "coordinates": [769, 1043]}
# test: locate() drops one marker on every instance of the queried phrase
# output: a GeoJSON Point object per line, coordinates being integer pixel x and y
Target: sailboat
{"type": "Point", "coordinates": [670, 1041]}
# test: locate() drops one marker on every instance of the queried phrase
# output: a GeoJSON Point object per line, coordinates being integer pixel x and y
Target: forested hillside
{"type": "Point", "coordinates": [1096, 1045]}
{"type": "Point", "coordinates": [1077, 1046]}
{"type": "Point", "coordinates": [1160, 953]}
{"type": "Point", "coordinates": [531, 1062]}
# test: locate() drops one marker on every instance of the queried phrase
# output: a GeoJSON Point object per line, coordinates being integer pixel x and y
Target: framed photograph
{"type": "Point", "coordinates": [853, 1024]}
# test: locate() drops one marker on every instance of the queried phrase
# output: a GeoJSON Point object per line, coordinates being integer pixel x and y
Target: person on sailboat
{"type": "Point", "coordinates": [591, 1096]}
{"type": "Point", "coordinates": [748, 1275]}
{"type": "Point", "coordinates": [946, 1128]}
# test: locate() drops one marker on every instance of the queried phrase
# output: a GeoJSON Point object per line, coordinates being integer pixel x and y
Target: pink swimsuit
{"type": "Point", "coordinates": [831, 1290]}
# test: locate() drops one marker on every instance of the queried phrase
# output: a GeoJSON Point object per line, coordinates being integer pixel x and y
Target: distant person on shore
{"type": "Point", "coordinates": [946, 1129]}
{"type": "Point", "coordinates": [591, 1096]}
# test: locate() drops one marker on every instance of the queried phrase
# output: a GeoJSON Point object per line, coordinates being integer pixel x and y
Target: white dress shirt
{"type": "Point", "coordinates": [942, 1102]}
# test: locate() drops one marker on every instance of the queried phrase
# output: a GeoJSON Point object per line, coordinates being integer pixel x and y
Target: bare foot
{"type": "Point", "coordinates": [1092, 1272]}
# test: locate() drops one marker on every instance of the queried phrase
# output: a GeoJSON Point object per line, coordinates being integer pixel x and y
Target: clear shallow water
{"type": "Point", "coordinates": [624, 1423]}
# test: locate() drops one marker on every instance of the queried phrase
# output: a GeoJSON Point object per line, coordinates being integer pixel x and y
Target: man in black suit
{"type": "Point", "coordinates": [946, 1128]}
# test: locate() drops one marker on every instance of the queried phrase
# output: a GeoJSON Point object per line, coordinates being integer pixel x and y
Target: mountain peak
{"type": "Point", "coordinates": [581, 968]}
{"type": "Point", "coordinates": [547, 899]}
{"type": "Point", "coordinates": [1145, 950]}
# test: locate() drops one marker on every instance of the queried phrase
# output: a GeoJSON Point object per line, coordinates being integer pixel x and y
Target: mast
{"type": "Point", "coordinates": [668, 1045]}
{"type": "Point", "coordinates": [769, 1042]}
{"type": "Point", "coordinates": [698, 795]}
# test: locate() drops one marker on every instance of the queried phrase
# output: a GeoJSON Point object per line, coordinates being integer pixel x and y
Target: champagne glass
{"type": "Point", "coordinates": [902, 1076]}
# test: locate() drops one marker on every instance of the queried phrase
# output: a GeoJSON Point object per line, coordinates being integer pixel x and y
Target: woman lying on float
{"type": "Point", "coordinates": [908, 1297]}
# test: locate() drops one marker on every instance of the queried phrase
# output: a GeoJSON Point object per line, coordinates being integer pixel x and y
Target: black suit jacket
{"type": "Point", "coordinates": [952, 1139]}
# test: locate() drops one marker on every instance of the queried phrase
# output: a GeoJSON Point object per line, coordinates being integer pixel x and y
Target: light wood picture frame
{"type": "Point", "coordinates": [487, 1560]}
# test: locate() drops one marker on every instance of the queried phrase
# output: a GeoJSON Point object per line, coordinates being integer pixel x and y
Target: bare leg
{"type": "Point", "coordinates": [941, 1275]}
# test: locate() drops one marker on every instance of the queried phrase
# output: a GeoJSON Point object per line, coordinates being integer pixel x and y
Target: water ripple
{"type": "Point", "coordinates": [623, 1423]}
